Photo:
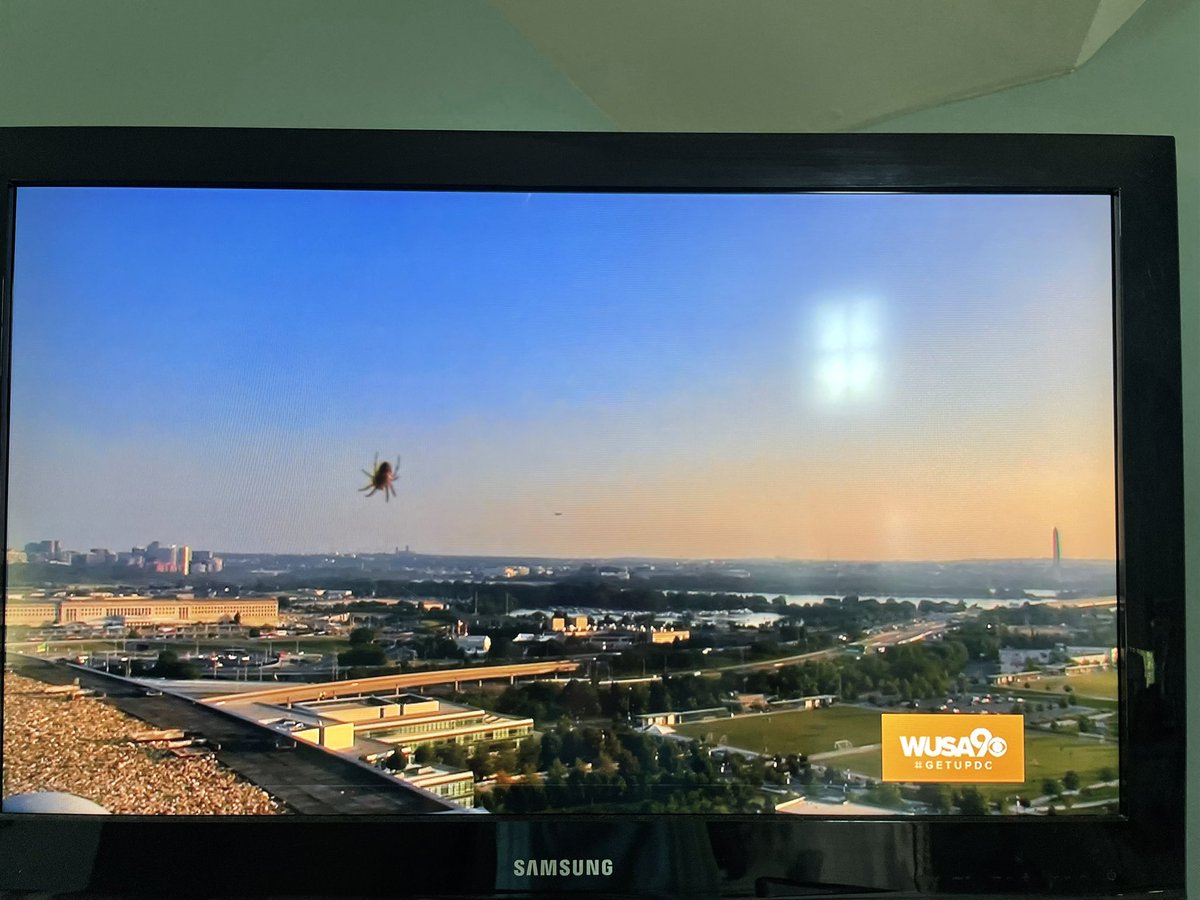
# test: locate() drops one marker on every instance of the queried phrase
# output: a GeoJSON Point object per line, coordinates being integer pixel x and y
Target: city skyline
{"type": "Point", "coordinates": [150, 547]}
{"type": "Point", "coordinates": [856, 377]}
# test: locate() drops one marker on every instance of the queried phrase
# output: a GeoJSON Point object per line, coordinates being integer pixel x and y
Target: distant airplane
{"type": "Point", "coordinates": [558, 514]}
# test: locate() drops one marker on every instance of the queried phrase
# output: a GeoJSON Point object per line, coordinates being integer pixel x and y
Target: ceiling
{"type": "Point", "coordinates": [803, 65]}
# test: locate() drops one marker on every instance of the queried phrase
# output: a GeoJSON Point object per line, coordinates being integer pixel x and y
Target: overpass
{"type": "Point", "coordinates": [408, 681]}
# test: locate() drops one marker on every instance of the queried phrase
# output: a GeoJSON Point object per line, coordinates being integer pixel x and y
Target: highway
{"type": "Point", "coordinates": [412, 681]}
{"type": "Point", "coordinates": [907, 635]}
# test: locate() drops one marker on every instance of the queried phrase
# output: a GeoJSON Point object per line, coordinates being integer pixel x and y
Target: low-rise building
{"type": "Point", "coordinates": [668, 636]}
{"type": "Point", "coordinates": [679, 717]}
{"type": "Point", "coordinates": [1092, 656]}
{"type": "Point", "coordinates": [140, 611]}
{"type": "Point", "coordinates": [372, 727]}
{"type": "Point", "coordinates": [30, 613]}
{"type": "Point", "coordinates": [474, 645]}
{"type": "Point", "coordinates": [1021, 659]}
{"type": "Point", "coordinates": [569, 623]}
{"type": "Point", "coordinates": [457, 785]}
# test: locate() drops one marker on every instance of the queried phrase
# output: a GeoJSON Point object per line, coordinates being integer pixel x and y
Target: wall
{"type": "Point", "coordinates": [454, 64]}
{"type": "Point", "coordinates": [1146, 80]}
{"type": "Point", "coordinates": [458, 64]}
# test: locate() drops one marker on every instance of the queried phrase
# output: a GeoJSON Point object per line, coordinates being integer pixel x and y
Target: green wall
{"type": "Point", "coordinates": [1146, 80]}
{"type": "Point", "coordinates": [454, 64]}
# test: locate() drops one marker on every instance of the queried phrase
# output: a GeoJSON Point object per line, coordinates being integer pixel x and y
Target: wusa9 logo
{"type": "Point", "coordinates": [953, 748]}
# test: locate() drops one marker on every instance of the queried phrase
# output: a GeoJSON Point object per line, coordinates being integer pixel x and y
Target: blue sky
{"type": "Point", "coordinates": [214, 367]}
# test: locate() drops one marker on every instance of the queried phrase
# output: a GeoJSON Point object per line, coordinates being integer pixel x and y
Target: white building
{"type": "Point", "coordinates": [1017, 659]}
{"type": "Point", "coordinates": [474, 644]}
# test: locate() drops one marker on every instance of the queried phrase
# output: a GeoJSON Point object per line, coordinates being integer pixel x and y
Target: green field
{"type": "Point", "coordinates": [1046, 756]}
{"type": "Point", "coordinates": [813, 731]}
{"type": "Point", "coordinates": [1091, 684]}
{"type": "Point", "coordinates": [866, 763]}
{"type": "Point", "coordinates": [1051, 696]}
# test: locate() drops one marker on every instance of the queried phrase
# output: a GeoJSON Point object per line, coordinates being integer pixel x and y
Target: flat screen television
{"type": "Point", "coordinates": [518, 514]}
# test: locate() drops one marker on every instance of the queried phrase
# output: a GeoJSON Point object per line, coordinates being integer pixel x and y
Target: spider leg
{"type": "Point", "coordinates": [368, 474]}
{"type": "Point", "coordinates": [367, 488]}
{"type": "Point", "coordinates": [373, 490]}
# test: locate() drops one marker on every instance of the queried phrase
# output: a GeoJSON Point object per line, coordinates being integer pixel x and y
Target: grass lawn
{"type": "Point", "coordinates": [1051, 756]}
{"type": "Point", "coordinates": [868, 762]}
{"type": "Point", "coordinates": [812, 731]}
{"type": "Point", "coordinates": [1090, 684]}
{"type": "Point", "coordinates": [1051, 696]}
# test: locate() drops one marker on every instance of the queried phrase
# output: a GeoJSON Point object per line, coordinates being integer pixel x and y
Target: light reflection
{"type": "Point", "coordinates": [848, 364]}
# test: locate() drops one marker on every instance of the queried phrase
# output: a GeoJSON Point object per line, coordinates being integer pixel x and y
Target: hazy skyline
{"type": "Point", "coordinates": [805, 376]}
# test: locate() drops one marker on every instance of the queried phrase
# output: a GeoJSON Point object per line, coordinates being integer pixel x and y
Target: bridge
{"type": "Point", "coordinates": [408, 681]}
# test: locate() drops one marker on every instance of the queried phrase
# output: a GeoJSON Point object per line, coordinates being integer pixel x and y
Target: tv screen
{"type": "Point", "coordinates": [804, 502]}
{"type": "Point", "coordinates": [577, 502]}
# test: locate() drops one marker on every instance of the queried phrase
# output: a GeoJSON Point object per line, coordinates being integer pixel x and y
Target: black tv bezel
{"type": "Point", "coordinates": [1140, 850]}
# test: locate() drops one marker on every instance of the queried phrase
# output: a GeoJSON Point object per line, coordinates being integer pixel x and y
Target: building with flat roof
{"type": "Point", "coordinates": [33, 613]}
{"type": "Point", "coordinates": [141, 611]}
{"type": "Point", "coordinates": [668, 636]}
{"type": "Point", "coordinates": [456, 785]}
{"type": "Point", "coordinates": [371, 727]}
{"type": "Point", "coordinates": [474, 645]}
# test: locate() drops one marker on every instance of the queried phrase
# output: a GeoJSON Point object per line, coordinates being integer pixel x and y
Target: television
{"type": "Point", "coordinates": [421, 513]}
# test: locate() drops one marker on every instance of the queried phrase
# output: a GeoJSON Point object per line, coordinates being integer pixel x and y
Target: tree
{"type": "Point", "coordinates": [971, 803]}
{"type": "Point", "coordinates": [1105, 774]}
{"type": "Point", "coordinates": [1071, 780]}
{"type": "Point", "coordinates": [255, 632]}
{"type": "Point", "coordinates": [452, 755]}
{"type": "Point", "coordinates": [1051, 788]}
{"type": "Point", "coordinates": [887, 795]}
{"type": "Point", "coordinates": [937, 796]}
{"type": "Point", "coordinates": [168, 665]}
{"type": "Point", "coordinates": [363, 655]}
{"type": "Point", "coordinates": [397, 761]}
{"type": "Point", "coordinates": [362, 636]}
{"type": "Point", "coordinates": [424, 754]}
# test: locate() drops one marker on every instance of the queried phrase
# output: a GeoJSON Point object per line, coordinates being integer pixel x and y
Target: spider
{"type": "Point", "coordinates": [382, 477]}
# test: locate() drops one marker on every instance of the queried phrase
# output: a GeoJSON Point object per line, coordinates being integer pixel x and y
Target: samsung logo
{"type": "Point", "coordinates": [524, 868]}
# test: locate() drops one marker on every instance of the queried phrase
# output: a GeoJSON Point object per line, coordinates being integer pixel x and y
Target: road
{"type": "Point", "coordinates": [407, 681]}
{"type": "Point", "coordinates": [908, 635]}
